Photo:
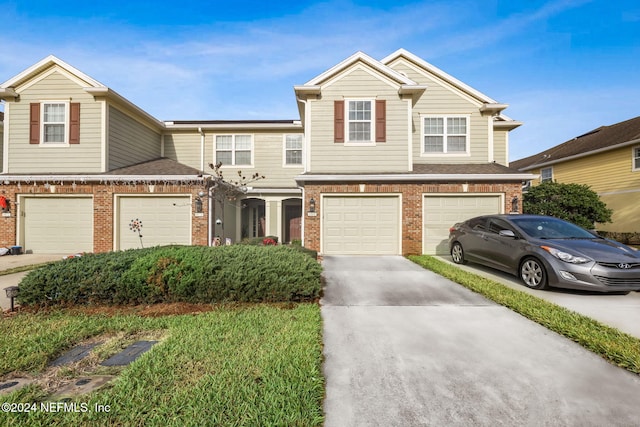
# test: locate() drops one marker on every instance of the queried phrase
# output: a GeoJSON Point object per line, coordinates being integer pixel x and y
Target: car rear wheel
{"type": "Point", "coordinates": [457, 253]}
{"type": "Point", "coordinates": [533, 274]}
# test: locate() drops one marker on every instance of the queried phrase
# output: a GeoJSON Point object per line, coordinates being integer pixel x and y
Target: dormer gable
{"type": "Point", "coordinates": [43, 68]}
{"type": "Point", "coordinates": [487, 105]}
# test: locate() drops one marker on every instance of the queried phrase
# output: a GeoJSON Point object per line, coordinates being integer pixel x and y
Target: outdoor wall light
{"type": "Point", "coordinates": [312, 205]}
{"type": "Point", "coordinates": [514, 204]}
{"type": "Point", "coordinates": [198, 205]}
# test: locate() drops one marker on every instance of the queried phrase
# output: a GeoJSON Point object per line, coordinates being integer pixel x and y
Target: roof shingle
{"type": "Point", "coordinates": [597, 139]}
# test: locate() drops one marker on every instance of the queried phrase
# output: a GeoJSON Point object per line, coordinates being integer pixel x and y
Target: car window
{"type": "Point", "coordinates": [551, 228]}
{"type": "Point", "coordinates": [497, 225]}
{"type": "Point", "coordinates": [477, 224]}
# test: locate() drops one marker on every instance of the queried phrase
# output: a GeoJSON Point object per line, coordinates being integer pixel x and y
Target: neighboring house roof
{"type": "Point", "coordinates": [600, 139]}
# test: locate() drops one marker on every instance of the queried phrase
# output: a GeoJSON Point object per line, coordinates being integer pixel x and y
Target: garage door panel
{"type": "Point", "coordinates": [361, 225]}
{"type": "Point", "coordinates": [441, 212]}
{"type": "Point", "coordinates": [58, 224]}
{"type": "Point", "coordinates": [165, 220]}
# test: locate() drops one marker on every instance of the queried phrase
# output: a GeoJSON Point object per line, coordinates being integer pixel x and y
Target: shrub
{"type": "Point", "coordinates": [257, 241]}
{"type": "Point", "coordinates": [577, 203]}
{"type": "Point", "coordinates": [202, 274]}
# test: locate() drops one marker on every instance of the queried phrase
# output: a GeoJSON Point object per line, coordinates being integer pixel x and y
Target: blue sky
{"type": "Point", "coordinates": [564, 66]}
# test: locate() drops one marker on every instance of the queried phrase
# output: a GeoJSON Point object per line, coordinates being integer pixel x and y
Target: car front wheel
{"type": "Point", "coordinates": [457, 253]}
{"type": "Point", "coordinates": [533, 274]}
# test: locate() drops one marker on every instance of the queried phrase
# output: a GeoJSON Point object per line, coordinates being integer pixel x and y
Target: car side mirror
{"type": "Point", "coordinates": [507, 233]}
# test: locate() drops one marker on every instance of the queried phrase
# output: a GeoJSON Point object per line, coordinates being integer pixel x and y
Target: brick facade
{"type": "Point", "coordinates": [103, 208]}
{"type": "Point", "coordinates": [412, 194]}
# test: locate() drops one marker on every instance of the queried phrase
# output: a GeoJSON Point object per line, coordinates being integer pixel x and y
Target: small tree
{"type": "Point", "coordinates": [228, 190]}
{"type": "Point", "coordinates": [577, 203]}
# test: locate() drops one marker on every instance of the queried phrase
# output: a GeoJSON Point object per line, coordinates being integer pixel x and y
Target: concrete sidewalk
{"type": "Point", "coordinates": [406, 347]}
{"type": "Point", "coordinates": [8, 262]}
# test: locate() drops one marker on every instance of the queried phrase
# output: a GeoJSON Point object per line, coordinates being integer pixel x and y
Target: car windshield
{"type": "Point", "coordinates": [551, 228]}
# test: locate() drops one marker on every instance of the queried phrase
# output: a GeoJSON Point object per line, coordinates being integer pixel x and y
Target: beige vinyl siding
{"type": "Point", "coordinates": [500, 149]}
{"type": "Point", "coordinates": [130, 141]}
{"type": "Point", "coordinates": [30, 158]}
{"type": "Point", "coordinates": [441, 98]}
{"type": "Point", "coordinates": [184, 147]}
{"type": "Point", "coordinates": [268, 153]}
{"type": "Point", "coordinates": [389, 156]}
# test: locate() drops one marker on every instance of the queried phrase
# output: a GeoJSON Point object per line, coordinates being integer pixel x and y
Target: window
{"type": "Point", "coordinates": [293, 150]}
{"type": "Point", "coordinates": [234, 150]}
{"type": "Point", "coordinates": [54, 123]}
{"type": "Point", "coordinates": [636, 158]}
{"type": "Point", "coordinates": [359, 120]}
{"type": "Point", "coordinates": [445, 135]}
{"type": "Point", "coordinates": [546, 174]}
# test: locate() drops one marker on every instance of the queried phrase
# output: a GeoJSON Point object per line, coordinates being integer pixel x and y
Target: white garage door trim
{"type": "Point", "coordinates": [394, 249]}
{"type": "Point", "coordinates": [182, 204]}
{"type": "Point", "coordinates": [497, 197]}
{"type": "Point", "coordinates": [82, 223]}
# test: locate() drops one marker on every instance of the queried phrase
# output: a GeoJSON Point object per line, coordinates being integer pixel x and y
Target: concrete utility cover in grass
{"type": "Point", "coordinates": [75, 354]}
{"type": "Point", "coordinates": [81, 386]}
{"type": "Point", "coordinates": [9, 386]}
{"type": "Point", "coordinates": [129, 354]}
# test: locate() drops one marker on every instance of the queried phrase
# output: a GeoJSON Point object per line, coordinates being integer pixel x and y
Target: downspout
{"type": "Point", "coordinates": [210, 222]}
{"type": "Point", "coordinates": [210, 205]}
{"type": "Point", "coordinates": [201, 149]}
{"type": "Point", "coordinates": [306, 161]}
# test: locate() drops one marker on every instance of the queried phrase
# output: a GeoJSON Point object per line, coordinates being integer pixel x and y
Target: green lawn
{"type": "Point", "coordinates": [253, 365]}
{"type": "Point", "coordinates": [613, 345]}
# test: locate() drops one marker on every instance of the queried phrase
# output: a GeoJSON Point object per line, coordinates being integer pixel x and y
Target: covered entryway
{"type": "Point", "coordinates": [441, 212]}
{"type": "Point", "coordinates": [361, 225]}
{"type": "Point", "coordinates": [166, 220]}
{"type": "Point", "coordinates": [57, 224]}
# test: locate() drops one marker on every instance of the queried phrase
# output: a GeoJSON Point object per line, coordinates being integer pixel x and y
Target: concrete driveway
{"type": "Point", "coordinates": [620, 311]}
{"type": "Point", "coordinates": [406, 347]}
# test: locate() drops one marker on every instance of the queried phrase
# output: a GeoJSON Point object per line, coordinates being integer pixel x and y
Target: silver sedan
{"type": "Point", "coordinates": [546, 251]}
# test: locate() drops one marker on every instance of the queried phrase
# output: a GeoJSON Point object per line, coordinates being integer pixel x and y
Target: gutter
{"type": "Point", "coordinates": [417, 177]}
{"type": "Point", "coordinates": [98, 178]}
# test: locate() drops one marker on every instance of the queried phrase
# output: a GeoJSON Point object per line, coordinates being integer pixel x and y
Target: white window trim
{"type": "Point", "coordinates": [66, 124]}
{"type": "Point", "coordinates": [233, 150]}
{"type": "Point", "coordinates": [284, 151]}
{"type": "Point", "coordinates": [372, 141]}
{"type": "Point", "coordinates": [465, 153]}
{"type": "Point", "coordinates": [633, 158]}
{"type": "Point", "coordinates": [545, 180]}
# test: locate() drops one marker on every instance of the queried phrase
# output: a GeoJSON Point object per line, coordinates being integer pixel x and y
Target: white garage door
{"type": "Point", "coordinates": [165, 221]}
{"type": "Point", "coordinates": [58, 224]}
{"type": "Point", "coordinates": [358, 225]}
{"type": "Point", "coordinates": [441, 212]}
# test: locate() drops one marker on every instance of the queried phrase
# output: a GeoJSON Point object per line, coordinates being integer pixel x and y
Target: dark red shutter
{"type": "Point", "coordinates": [34, 123]}
{"type": "Point", "coordinates": [381, 120]}
{"type": "Point", "coordinates": [338, 121]}
{"type": "Point", "coordinates": [74, 123]}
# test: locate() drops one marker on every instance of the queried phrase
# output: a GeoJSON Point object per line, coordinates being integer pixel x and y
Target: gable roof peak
{"type": "Point", "coordinates": [45, 63]}
{"type": "Point", "coordinates": [360, 56]}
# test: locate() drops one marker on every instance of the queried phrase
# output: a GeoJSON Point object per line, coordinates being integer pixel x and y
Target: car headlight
{"type": "Point", "coordinates": [565, 256]}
